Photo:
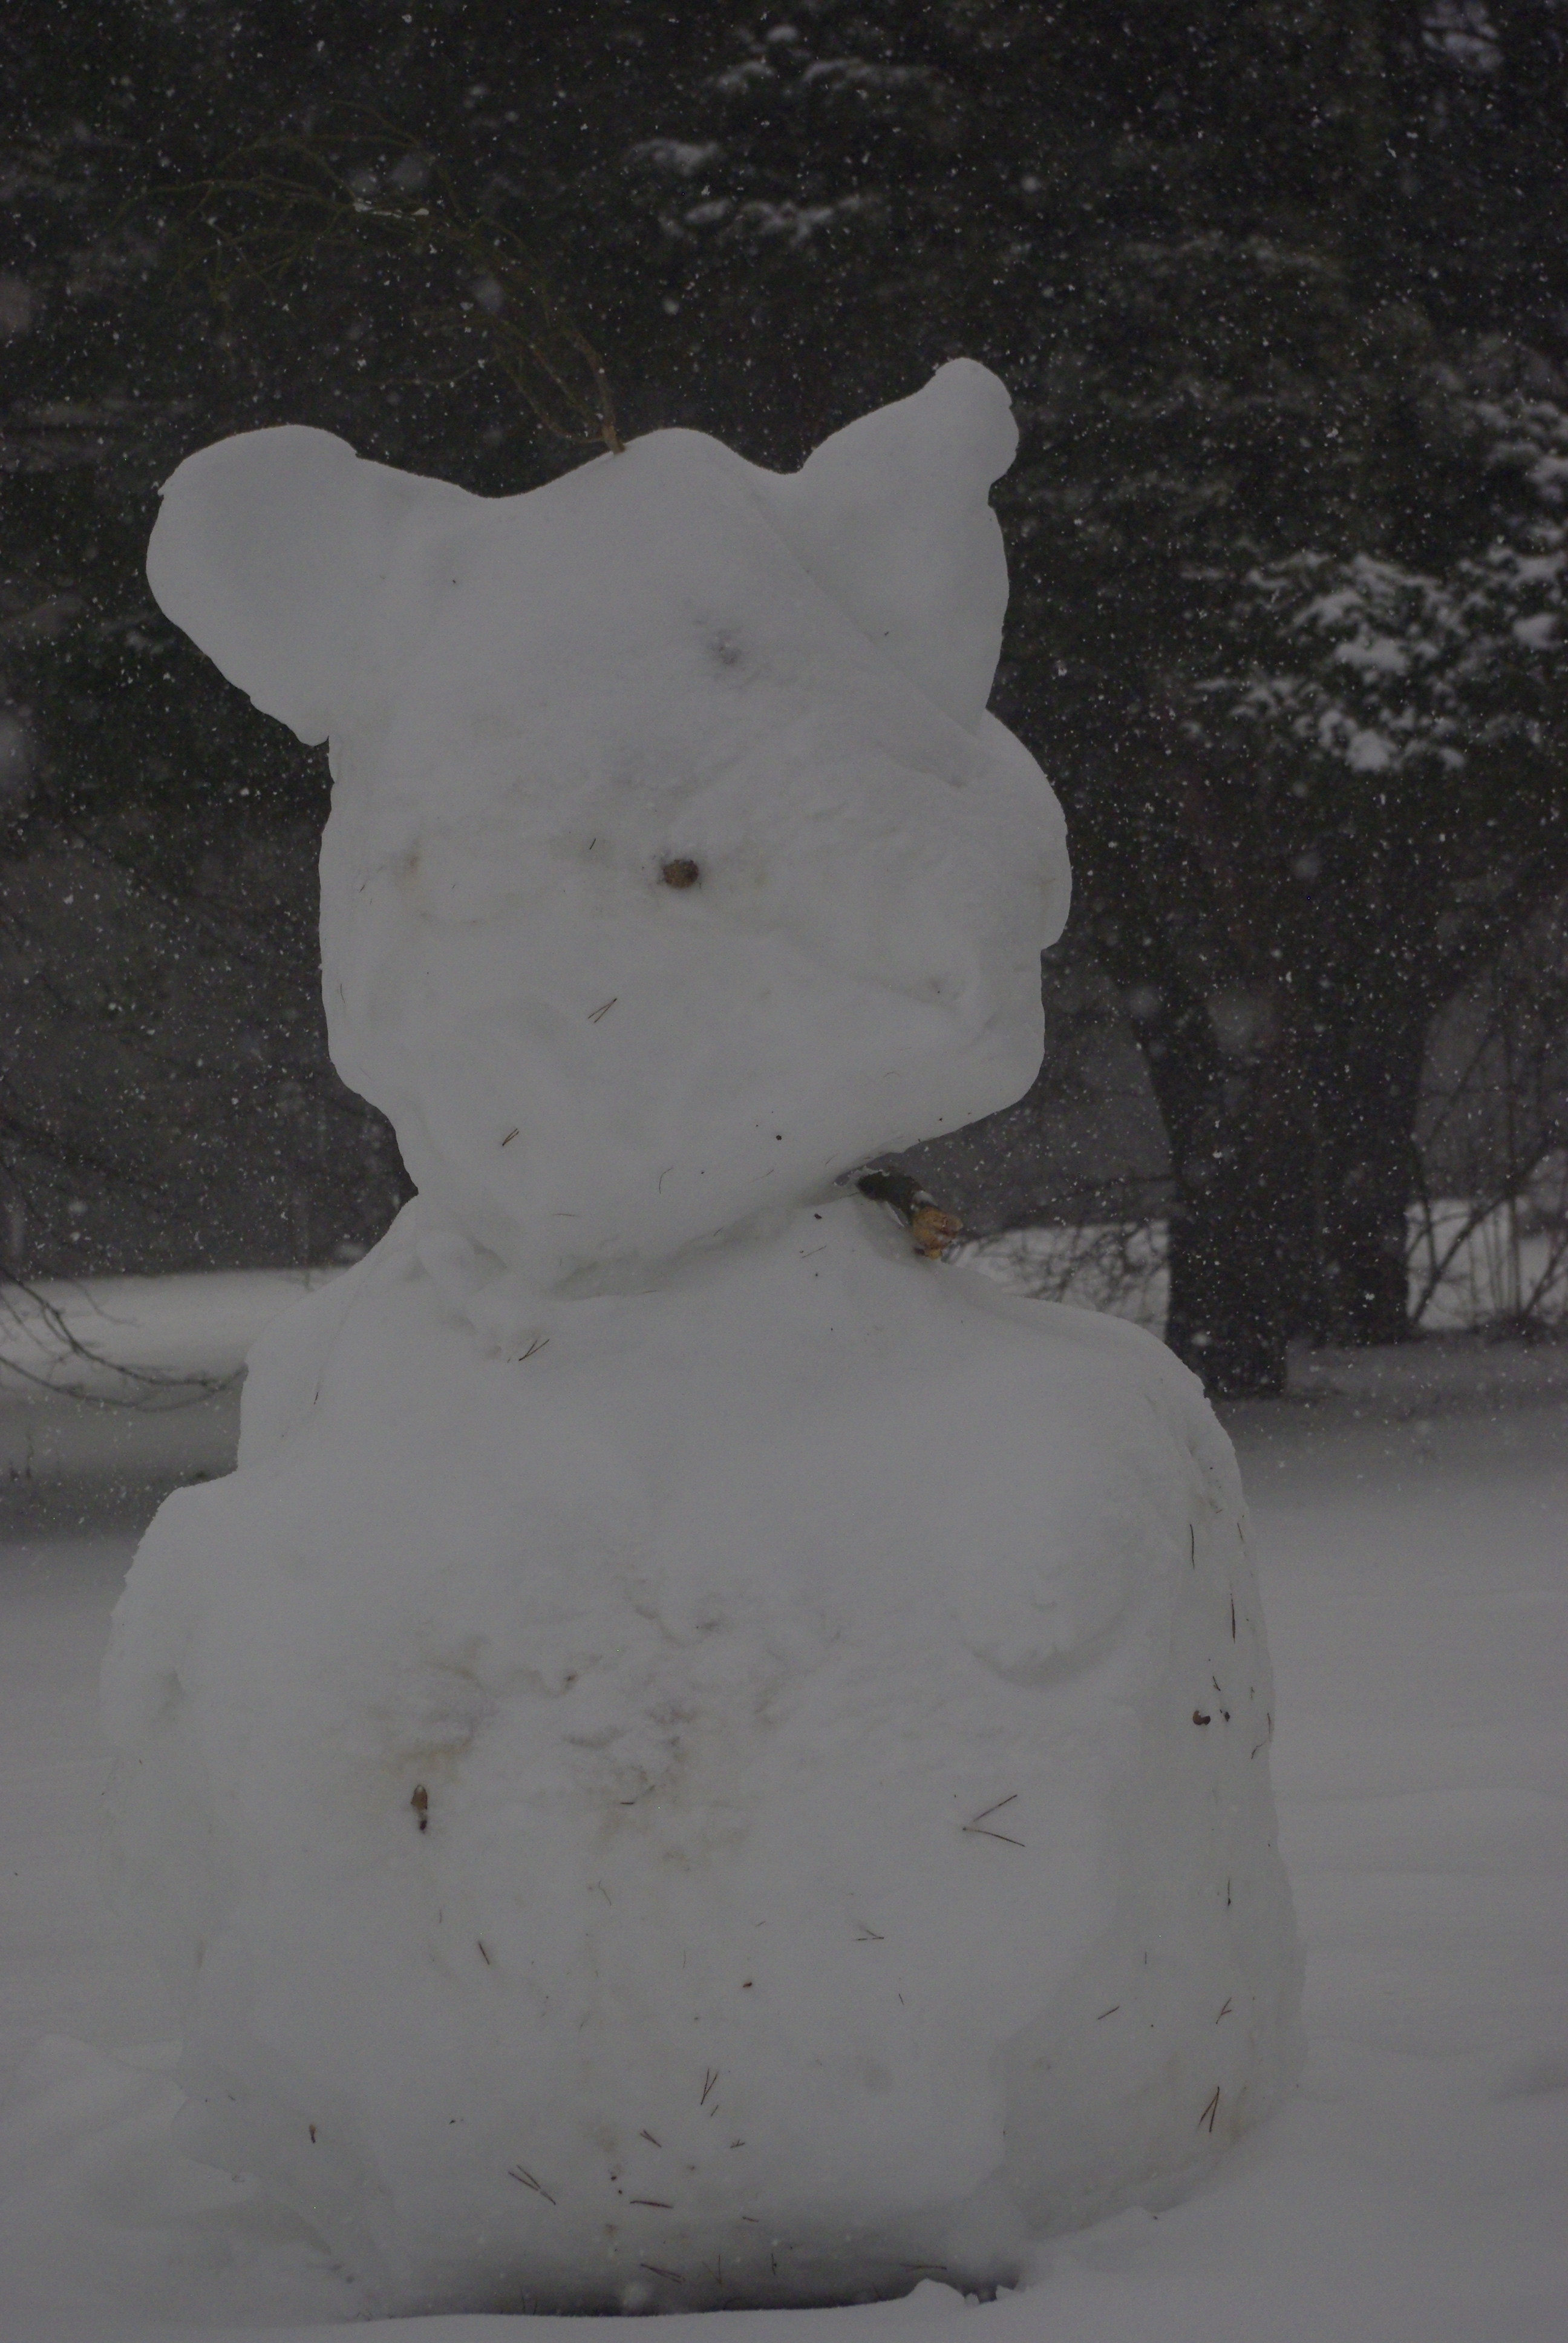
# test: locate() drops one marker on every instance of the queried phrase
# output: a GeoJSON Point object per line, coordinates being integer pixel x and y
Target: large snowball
{"type": "Point", "coordinates": [766, 1797]}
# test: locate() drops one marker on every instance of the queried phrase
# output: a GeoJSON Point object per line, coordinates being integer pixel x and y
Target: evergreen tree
{"type": "Point", "coordinates": [1280, 293]}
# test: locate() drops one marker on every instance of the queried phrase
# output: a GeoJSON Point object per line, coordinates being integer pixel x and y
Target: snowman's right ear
{"type": "Point", "coordinates": [270, 551]}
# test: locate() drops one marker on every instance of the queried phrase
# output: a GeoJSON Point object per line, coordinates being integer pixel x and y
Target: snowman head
{"type": "Point", "coordinates": [674, 865]}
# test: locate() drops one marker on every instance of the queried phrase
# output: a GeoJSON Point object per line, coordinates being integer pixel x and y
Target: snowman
{"type": "Point", "coordinates": [704, 1755]}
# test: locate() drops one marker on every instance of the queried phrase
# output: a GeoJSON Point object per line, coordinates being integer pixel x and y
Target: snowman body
{"type": "Point", "coordinates": [699, 1757]}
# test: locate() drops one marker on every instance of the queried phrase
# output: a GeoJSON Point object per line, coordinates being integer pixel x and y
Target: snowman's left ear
{"type": "Point", "coordinates": [890, 516]}
{"type": "Point", "coordinates": [270, 551]}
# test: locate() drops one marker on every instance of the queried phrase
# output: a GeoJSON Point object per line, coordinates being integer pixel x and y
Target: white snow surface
{"type": "Point", "coordinates": [701, 1757]}
{"type": "Point", "coordinates": [1409, 1518]}
{"type": "Point", "coordinates": [779, 1759]}
{"type": "Point", "coordinates": [669, 657]}
{"type": "Point", "coordinates": [109, 1379]}
{"type": "Point", "coordinates": [1471, 1266]}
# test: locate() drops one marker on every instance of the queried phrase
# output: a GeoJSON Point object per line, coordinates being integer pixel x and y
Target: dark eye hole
{"type": "Point", "coordinates": [681, 872]}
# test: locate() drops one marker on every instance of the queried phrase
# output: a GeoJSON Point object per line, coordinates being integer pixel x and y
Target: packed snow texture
{"type": "Point", "coordinates": [803, 1813]}
{"type": "Point", "coordinates": [1409, 1526]}
{"type": "Point", "coordinates": [674, 865]}
{"type": "Point", "coordinates": [699, 1757]}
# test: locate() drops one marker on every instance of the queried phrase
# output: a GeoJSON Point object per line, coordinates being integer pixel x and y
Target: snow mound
{"type": "Point", "coordinates": [762, 1792]}
{"type": "Point", "coordinates": [701, 1757]}
{"type": "Point", "coordinates": [105, 2225]}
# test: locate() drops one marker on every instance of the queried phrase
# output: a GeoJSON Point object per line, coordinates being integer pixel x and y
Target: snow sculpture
{"type": "Point", "coordinates": [699, 1757]}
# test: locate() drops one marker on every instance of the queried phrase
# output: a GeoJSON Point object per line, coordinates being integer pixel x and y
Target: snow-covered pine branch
{"type": "Point", "coordinates": [1371, 666]}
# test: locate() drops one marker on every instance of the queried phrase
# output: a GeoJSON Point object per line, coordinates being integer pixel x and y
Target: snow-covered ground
{"type": "Point", "coordinates": [1469, 1266]}
{"type": "Point", "coordinates": [116, 1378]}
{"type": "Point", "coordinates": [1413, 1518]}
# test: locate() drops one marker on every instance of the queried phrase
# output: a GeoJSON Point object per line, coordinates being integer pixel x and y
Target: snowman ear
{"type": "Point", "coordinates": [271, 550]}
{"type": "Point", "coordinates": [890, 516]}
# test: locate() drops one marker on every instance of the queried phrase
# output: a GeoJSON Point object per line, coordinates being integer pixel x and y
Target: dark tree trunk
{"type": "Point", "coordinates": [1227, 1316]}
{"type": "Point", "coordinates": [1292, 1169]}
{"type": "Point", "coordinates": [1286, 1060]}
{"type": "Point", "coordinates": [1365, 1104]}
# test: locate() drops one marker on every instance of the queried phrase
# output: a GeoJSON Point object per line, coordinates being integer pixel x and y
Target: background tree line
{"type": "Point", "coordinates": [1281, 295]}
